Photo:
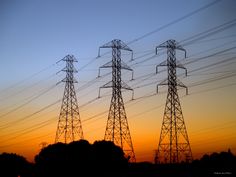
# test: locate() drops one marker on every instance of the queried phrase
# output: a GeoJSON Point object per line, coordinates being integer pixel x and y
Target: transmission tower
{"type": "Point", "coordinates": [117, 129]}
{"type": "Point", "coordinates": [69, 125]}
{"type": "Point", "coordinates": [174, 146]}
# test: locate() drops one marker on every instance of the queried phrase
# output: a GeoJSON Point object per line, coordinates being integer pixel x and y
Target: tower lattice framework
{"type": "Point", "coordinates": [69, 125]}
{"type": "Point", "coordinates": [174, 146]}
{"type": "Point", "coordinates": [117, 129]}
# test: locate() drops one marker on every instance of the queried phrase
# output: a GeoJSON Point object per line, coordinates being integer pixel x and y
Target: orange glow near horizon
{"type": "Point", "coordinates": [206, 136]}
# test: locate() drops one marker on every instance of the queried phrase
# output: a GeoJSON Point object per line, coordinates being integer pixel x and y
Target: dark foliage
{"type": "Point", "coordinates": [108, 158]}
{"type": "Point", "coordinates": [80, 159]}
{"type": "Point", "coordinates": [216, 164]}
{"type": "Point", "coordinates": [103, 158]}
{"type": "Point", "coordinates": [51, 160]}
{"type": "Point", "coordinates": [13, 165]}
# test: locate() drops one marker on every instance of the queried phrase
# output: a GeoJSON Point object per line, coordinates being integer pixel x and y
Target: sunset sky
{"type": "Point", "coordinates": [35, 34]}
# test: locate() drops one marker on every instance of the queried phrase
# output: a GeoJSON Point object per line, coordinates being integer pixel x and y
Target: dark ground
{"type": "Point", "coordinates": [82, 159]}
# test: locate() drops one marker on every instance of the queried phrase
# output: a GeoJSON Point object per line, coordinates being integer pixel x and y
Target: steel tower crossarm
{"type": "Point", "coordinates": [117, 129]}
{"type": "Point", "coordinates": [174, 146]}
{"type": "Point", "coordinates": [69, 126]}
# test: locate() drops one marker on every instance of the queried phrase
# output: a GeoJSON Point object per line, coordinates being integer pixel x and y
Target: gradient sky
{"type": "Point", "coordinates": [35, 34]}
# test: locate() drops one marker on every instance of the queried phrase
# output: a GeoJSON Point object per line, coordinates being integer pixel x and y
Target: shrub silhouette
{"type": "Point", "coordinates": [51, 160]}
{"type": "Point", "coordinates": [108, 158]}
{"type": "Point", "coordinates": [103, 158]}
{"type": "Point", "coordinates": [215, 164]}
{"type": "Point", "coordinates": [218, 160]}
{"type": "Point", "coordinates": [80, 158]}
{"type": "Point", "coordinates": [13, 165]}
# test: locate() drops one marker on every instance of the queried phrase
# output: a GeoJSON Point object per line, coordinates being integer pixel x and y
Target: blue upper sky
{"type": "Point", "coordinates": [37, 33]}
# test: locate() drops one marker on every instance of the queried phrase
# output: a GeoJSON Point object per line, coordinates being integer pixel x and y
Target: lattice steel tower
{"type": "Point", "coordinates": [174, 146]}
{"type": "Point", "coordinates": [117, 129]}
{"type": "Point", "coordinates": [69, 125]}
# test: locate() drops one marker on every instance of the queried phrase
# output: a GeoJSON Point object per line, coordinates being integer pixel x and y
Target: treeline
{"type": "Point", "coordinates": [103, 158]}
{"type": "Point", "coordinates": [79, 158]}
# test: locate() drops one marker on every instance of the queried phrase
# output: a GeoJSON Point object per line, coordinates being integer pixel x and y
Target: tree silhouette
{"type": "Point", "coordinates": [80, 158]}
{"type": "Point", "coordinates": [51, 159]}
{"type": "Point", "coordinates": [219, 164]}
{"type": "Point", "coordinates": [13, 165]}
{"type": "Point", "coordinates": [108, 158]}
{"type": "Point", "coordinates": [104, 158]}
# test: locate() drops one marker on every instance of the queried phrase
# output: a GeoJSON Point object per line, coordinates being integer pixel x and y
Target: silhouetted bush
{"type": "Point", "coordinates": [103, 158]}
{"type": "Point", "coordinates": [80, 158]}
{"type": "Point", "coordinates": [108, 158]}
{"type": "Point", "coordinates": [219, 164]}
{"type": "Point", "coordinates": [13, 165]}
{"type": "Point", "coordinates": [51, 160]}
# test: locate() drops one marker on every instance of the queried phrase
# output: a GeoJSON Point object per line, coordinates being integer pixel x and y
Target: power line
{"type": "Point", "coordinates": [176, 21]}
{"type": "Point", "coordinates": [217, 38]}
{"type": "Point", "coordinates": [91, 84]}
{"type": "Point", "coordinates": [9, 124]}
{"type": "Point", "coordinates": [117, 129]}
{"type": "Point", "coordinates": [150, 95]}
{"type": "Point", "coordinates": [29, 77]}
{"type": "Point", "coordinates": [207, 66]}
{"type": "Point", "coordinates": [34, 128]}
{"type": "Point", "coordinates": [29, 101]}
{"type": "Point", "coordinates": [69, 126]}
{"type": "Point", "coordinates": [133, 116]}
{"type": "Point", "coordinates": [27, 140]}
{"type": "Point", "coordinates": [161, 28]}
{"type": "Point", "coordinates": [88, 84]}
{"type": "Point", "coordinates": [26, 88]}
